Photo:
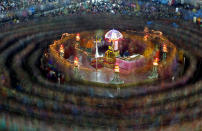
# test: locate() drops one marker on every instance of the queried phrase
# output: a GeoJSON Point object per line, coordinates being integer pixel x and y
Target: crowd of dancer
{"type": "Point", "coordinates": [148, 10]}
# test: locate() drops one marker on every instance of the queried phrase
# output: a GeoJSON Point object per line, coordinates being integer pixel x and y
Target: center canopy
{"type": "Point", "coordinates": [113, 35]}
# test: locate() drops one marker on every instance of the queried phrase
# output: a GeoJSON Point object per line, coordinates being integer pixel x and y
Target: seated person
{"type": "Point", "coordinates": [109, 53]}
{"type": "Point", "coordinates": [126, 54]}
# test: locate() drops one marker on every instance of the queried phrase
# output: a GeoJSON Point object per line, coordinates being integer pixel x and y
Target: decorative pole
{"type": "Point", "coordinates": [61, 50]}
{"type": "Point", "coordinates": [76, 69]}
{"type": "Point", "coordinates": [96, 53]}
{"type": "Point", "coordinates": [116, 79]}
{"type": "Point", "coordinates": [154, 74]}
{"type": "Point", "coordinates": [77, 39]}
{"type": "Point", "coordinates": [165, 50]}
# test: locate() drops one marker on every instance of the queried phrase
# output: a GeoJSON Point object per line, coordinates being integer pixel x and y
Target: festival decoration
{"type": "Point", "coordinates": [76, 73]}
{"type": "Point", "coordinates": [165, 50]}
{"type": "Point", "coordinates": [116, 68]}
{"type": "Point", "coordinates": [116, 79]}
{"type": "Point", "coordinates": [155, 62]}
{"type": "Point", "coordinates": [154, 74]}
{"type": "Point", "coordinates": [76, 61]}
{"type": "Point", "coordinates": [78, 37]}
{"type": "Point", "coordinates": [114, 36]}
{"type": "Point", "coordinates": [61, 50]}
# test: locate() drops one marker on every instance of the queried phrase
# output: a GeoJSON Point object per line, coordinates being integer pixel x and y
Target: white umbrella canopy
{"type": "Point", "coordinates": [113, 35]}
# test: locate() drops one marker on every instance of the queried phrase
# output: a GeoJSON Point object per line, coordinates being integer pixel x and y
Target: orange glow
{"type": "Point", "coordinates": [156, 62]}
{"type": "Point", "coordinates": [78, 37]}
{"type": "Point", "coordinates": [146, 37]}
{"type": "Point", "coordinates": [76, 61]}
{"type": "Point", "coordinates": [61, 49]}
{"type": "Point", "coordinates": [165, 48]}
{"type": "Point", "coordinates": [116, 68]}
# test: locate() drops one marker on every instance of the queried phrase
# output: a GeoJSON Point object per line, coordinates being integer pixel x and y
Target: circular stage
{"type": "Point", "coordinates": [140, 56]}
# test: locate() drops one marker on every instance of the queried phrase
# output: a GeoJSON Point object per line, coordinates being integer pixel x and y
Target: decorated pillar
{"type": "Point", "coordinates": [165, 51]}
{"type": "Point", "coordinates": [154, 73]}
{"type": "Point", "coordinates": [116, 79]}
{"type": "Point", "coordinates": [76, 69]}
{"type": "Point", "coordinates": [61, 50]}
{"type": "Point", "coordinates": [77, 40]}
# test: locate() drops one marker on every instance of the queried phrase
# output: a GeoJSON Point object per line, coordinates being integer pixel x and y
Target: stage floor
{"type": "Point", "coordinates": [105, 75]}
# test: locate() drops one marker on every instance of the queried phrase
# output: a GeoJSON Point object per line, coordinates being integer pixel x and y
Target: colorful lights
{"type": "Point", "coordinates": [77, 37]}
{"type": "Point", "coordinates": [116, 79]}
{"type": "Point", "coordinates": [165, 49]}
{"type": "Point", "coordinates": [61, 50]}
{"type": "Point", "coordinates": [113, 35]}
{"type": "Point", "coordinates": [76, 62]}
{"type": "Point", "coordinates": [76, 74]}
{"type": "Point", "coordinates": [116, 68]}
{"type": "Point", "coordinates": [146, 37]}
{"type": "Point", "coordinates": [156, 61]}
{"type": "Point", "coordinates": [154, 73]}
{"type": "Point", "coordinates": [154, 58]}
